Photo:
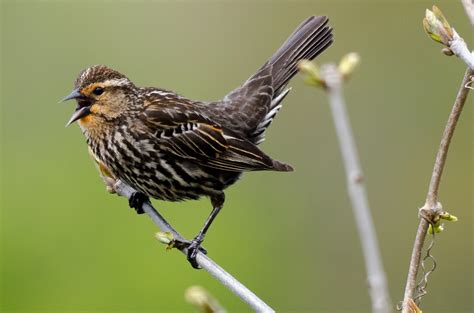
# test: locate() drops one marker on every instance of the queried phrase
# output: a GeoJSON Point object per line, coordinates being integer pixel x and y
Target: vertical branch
{"type": "Point", "coordinates": [437, 27]}
{"type": "Point", "coordinates": [461, 97]}
{"type": "Point", "coordinates": [205, 262]}
{"type": "Point", "coordinates": [431, 210]}
{"type": "Point", "coordinates": [377, 281]}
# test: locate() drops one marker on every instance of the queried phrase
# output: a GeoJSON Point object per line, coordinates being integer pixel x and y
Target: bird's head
{"type": "Point", "coordinates": [102, 95]}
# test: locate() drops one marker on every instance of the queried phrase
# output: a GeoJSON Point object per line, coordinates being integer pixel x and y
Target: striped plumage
{"type": "Point", "coordinates": [172, 148]}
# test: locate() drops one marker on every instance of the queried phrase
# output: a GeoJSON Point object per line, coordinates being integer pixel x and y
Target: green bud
{"type": "Point", "coordinates": [438, 228]}
{"type": "Point", "coordinates": [447, 216]}
{"type": "Point", "coordinates": [311, 74]}
{"type": "Point", "coordinates": [164, 237]}
{"type": "Point", "coordinates": [437, 27]}
{"type": "Point", "coordinates": [348, 63]}
{"type": "Point", "coordinates": [439, 15]}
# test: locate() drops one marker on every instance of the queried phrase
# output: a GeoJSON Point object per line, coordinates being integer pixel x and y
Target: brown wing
{"type": "Point", "coordinates": [182, 130]}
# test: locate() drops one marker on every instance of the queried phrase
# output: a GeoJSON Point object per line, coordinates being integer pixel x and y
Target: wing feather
{"type": "Point", "coordinates": [188, 134]}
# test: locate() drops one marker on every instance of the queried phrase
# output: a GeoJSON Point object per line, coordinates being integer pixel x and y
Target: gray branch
{"type": "Point", "coordinates": [459, 48]}
{"type": "Point", "coordinates": [469, 7]}
{"type": "Point", "coordinates": [204, 261]}
{"type": "Point", "coordinates": [432, 208]}
{"type": "Point", "coordinates": [373, 263]}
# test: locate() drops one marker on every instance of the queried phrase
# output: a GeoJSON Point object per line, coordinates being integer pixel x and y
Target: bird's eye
{"type": "Point", "coordinates": [98, 91]}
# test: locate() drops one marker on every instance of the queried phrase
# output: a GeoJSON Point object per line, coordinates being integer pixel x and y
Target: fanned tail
{"type": "Point", "coordinates": [254, 104]}
{"type": "Point", "coordinates": [311, 38]}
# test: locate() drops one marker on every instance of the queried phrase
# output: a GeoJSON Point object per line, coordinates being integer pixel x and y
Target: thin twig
{"type": "Point", "coordinates": [432, 208]}
{"type": "Point", "coordinates": [461, 97]}
{"type": "Point", "coordinates": [204, 261]}
{"type": "Point", "coordinates": [437, 27]}
{"type": "Point", "coordinates": [459, 48]}
{"type": "Point", "coordinates": [469, 7]}
{"type": "Point", "coordinates": [375, 273]}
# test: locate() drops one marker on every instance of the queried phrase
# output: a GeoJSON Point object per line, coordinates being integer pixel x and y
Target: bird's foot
{"type": "Point", "coordinates": [193, 248]}
{"type": "Point", "coordinates": [136, 201]}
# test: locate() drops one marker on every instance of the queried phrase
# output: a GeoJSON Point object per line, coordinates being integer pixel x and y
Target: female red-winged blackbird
{"type": "Point", "coordinates": [172, 148]}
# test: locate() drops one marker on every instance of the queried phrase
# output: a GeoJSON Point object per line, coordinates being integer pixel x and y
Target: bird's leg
{"type": "Point", "coordinates": [136, 201]}
{"type": "Point", "coordinates": [195, 245]}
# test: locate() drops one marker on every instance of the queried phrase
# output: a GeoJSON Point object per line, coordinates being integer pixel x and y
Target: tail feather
{"type": "Point", "coordinates": [309, 39]}
{"type": "Point", "coordinates": [258, 100]}
{"type": "Point", "coordinates": [314, 48]}
{"type": "Point", "coordinates": [275, 106]}
{"type": "Point", "coordinates": [282, 167]}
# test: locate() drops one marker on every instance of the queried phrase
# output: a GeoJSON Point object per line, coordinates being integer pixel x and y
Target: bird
{"type": "Point", "coordinates": [172, 148]}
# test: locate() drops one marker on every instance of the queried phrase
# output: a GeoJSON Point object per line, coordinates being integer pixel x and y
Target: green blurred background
{"type": "Point", "coordinates": [68, 246]}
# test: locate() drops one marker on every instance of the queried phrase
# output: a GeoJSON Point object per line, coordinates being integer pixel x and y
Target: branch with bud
{"type": "Point", "coordinates": [432, 214]}
{"type": "Point", "coordinates": [312, 74]}
{"type": "Point", "coordinates": [331, 78]}
{"type": "Point", "coordinates": [172, 238]}
{"type": "Point", "coordinates": [438, 28]}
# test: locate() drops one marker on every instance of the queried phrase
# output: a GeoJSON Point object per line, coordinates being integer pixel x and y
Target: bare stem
{"type": "Point", "coordinates": [469, 7]}
{"type": "Point", "coordinates": [461, 97]}
{"type": "Point", "coordinates": [377, 281]}
{"type": "Point", "coordinates": [205, 262]}
{"type": "Point", "coordinates": [431, 209]}
{"type": "Point", "coordinates": [459, 48]}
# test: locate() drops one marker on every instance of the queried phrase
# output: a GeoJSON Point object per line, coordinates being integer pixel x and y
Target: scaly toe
{"type": "Point", "coordinates": [193, 249]}
{"type": "Point", "coordinates": [181, 244]}
{"type": "Point", "coordinates": [192, 254]}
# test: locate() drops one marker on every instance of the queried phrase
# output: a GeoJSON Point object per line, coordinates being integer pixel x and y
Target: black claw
{"type": "Point", "coordinates": [136, 201]}
{"type": "Point", "coordinates": [193, 247]}
{"type": "Point", "coordinates": [193, 250]}
{"type": "Point", "coordinates": [181, 244]}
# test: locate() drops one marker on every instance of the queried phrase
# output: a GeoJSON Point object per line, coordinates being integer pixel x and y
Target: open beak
{"type": "Point", "coordinates": [83, 106]}
{"type": "Point", "coordinates": [73, 95]}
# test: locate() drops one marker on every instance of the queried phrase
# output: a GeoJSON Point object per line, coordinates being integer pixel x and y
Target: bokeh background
{"type": "Point", "coordinates": [68, 246]}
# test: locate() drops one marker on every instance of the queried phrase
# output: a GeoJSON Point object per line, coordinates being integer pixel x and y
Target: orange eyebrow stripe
{"type": "Point", "coordinates": [87, 90]}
